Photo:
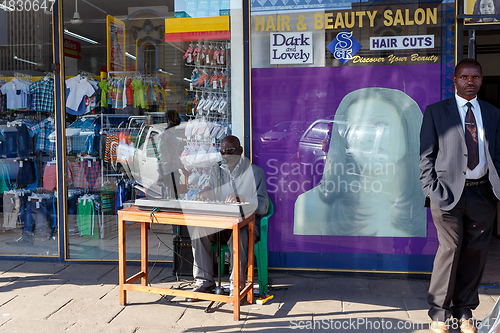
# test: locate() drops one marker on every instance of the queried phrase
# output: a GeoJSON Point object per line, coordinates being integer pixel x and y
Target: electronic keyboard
{"type": "Point", "coordinates": [195, 207]}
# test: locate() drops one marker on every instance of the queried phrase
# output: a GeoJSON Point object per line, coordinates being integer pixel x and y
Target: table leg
{"type": "Point", "coordinates": [236, 272]}
{"type": "Point", "coordinates": [144, 253]}
{"type": "Point", "coordinates": [251, 244]}
{"type": "Point", "coordinates": [122, 259]}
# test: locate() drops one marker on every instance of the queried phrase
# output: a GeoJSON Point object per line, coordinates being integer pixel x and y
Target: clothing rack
{"type": "Point", "coordinates": [122, 73]}
{"type": "Point", "coordinates": [23, 76]}
{"type": "Point", "coordinates": [87, 74]}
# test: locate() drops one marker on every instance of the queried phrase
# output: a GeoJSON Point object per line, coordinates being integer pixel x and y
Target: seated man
{"type": "Point", "coordinates": [234, 179]}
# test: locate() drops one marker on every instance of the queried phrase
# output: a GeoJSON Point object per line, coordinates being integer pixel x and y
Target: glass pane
{"type": "Point", "coordinates": [359, 74]}
{"type": "Point", "coordinates": [27, 171]}
{"type": "Point", "coordinates": [147, 82]}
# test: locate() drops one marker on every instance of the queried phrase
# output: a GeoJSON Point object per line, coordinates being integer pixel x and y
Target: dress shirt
{"type": "Point", "coordinates": [482, 168]}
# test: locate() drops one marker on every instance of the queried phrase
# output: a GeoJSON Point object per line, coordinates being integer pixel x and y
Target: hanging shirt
{"type": "Point", "coordinates": [138, 94]}
{"type": "Point", "coordinates": [104, 93]}
{"type": "Point", "coordinates": [79, 87]}
{"type": "Point", "coordinates": [161, 98]}
{"type": "Point", "coordinates": [42, 93]}
{"type": "Point", "coordinates": [17, 92]}
{"type": "Point", "coordinates": [3, 100]}
{"type": "Point", "coordinates": [119, 94]}
{"type": "Point", "coordinates": [129, 92]}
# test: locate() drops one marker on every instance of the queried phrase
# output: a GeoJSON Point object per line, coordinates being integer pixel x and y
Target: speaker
{"type": "Point", "coordinates": [183, 256]}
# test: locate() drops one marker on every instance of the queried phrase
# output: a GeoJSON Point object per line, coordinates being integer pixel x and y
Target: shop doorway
{"type": "Point", "coordinates": [484, 45]}
{"type": "Point", "coordinates": [482, 42]}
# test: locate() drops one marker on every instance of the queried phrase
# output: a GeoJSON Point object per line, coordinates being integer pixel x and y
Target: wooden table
{"type": "Point", "coordinates": [133, 214]}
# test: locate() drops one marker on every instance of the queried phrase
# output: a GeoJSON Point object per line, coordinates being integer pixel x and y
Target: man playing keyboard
{"type": "Point", "coordinates": [234, 179]}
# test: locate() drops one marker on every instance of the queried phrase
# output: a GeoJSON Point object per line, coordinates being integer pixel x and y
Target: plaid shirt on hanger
{"type": "Point", "coordinates": [42, 92]}
{"type": "Point", "coordinates": [44, 129]}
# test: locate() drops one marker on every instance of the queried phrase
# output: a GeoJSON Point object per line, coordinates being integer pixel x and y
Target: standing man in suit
{"type": "Point", "coordinates": [459, 163]}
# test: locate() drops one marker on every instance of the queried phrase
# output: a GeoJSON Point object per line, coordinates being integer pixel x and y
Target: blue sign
{"type": "Point", "coordinates": [344, 46]}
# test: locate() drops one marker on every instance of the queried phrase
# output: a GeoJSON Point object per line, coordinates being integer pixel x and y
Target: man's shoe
{"type": "Point", "coordinates": [201, 289]}
{"type": "Point", "coordinates": [439, 327]}
{"type": "Point", "coordinates": [468, 326]}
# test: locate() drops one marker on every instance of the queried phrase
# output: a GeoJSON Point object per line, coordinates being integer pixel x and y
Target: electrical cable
{"type": "Point", "coordinates": [152, 215]}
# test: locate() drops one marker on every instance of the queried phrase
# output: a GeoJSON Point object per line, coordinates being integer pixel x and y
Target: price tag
{"type": "Point", "coordinates": [21, 163]}
{"type": "Point", "coordinates": [89, 164]}
{"type": "Point", "coordinates": [215, 84]}
{"type": "Point", "coordinates": [38, 205]}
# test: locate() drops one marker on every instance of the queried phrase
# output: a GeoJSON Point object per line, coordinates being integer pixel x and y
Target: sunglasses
{"type": "Point", "coordinates": [228, 151]}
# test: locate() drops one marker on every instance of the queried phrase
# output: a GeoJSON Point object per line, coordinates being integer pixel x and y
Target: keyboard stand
{"type": "Point", "coordinates": [235, 223]}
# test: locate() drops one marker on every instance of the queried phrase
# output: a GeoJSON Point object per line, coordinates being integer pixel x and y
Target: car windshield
{"type": "Point", "coordinates": [318, 132]}
{"type": "Point", "coordinates": [282, 127]}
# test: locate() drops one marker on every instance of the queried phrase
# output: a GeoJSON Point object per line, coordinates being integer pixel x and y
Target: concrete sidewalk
{"type": "Point", "coordinates": [50, 297]}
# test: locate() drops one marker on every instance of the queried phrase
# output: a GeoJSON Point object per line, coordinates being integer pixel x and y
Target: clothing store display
{"type": "Point", "coordinates": [42, 92]}
{"type": "Point", "coordinates": [11, 210]}
{"type": "Point", "coordinates": [88, 174]}
{"type": "Point", "coordinates": [18, 94]}
{"type": "Point", "coordinates": [78, 88]}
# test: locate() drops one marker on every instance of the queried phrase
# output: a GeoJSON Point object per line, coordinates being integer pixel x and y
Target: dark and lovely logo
{"type": "Point", "coordinates": [344, 46]}
{"type": "Point", "coordinates": [291, 48]}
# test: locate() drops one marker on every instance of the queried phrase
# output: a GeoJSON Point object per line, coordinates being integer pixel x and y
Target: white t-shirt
{"type": "Point", "coordinates": [79, 87]}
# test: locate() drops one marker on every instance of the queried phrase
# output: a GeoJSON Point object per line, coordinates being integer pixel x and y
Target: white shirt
{"type": "Point", "coordinates": [79, 87]}
{"type": "Point", "coordinates": [482, 168]}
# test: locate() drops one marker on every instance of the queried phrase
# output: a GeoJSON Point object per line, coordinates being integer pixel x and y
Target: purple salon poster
{"type": "Point", "coordinates": [340, 149]}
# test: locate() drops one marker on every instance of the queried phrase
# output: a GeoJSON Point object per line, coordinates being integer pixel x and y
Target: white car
{"type": "Point", "coordinates": [154, 156]}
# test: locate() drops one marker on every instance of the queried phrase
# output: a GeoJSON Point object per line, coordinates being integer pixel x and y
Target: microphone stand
{"type": "Point", "coordinates": [218, 289]}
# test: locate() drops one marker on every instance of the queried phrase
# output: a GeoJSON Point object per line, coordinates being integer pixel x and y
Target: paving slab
{"type": "Point", "coordinates": [83, 289]}
{"type": "Point", "coordinates": [34, 269]}
{"type": "Point", "coordinates": [148, 329]}
{"type": "Point", "coordinates": [99, 328]}
{"type": "Point", "coordinates": [396, 287]}
{"type": "Point", "coordinates": [7, 265]}
{"type": "Point", "coordinates": [32, 286]}
{"type": "Point", "coordinates": [35, 307]}
{"type": "Point", "coordinates": [218, 319]}
{"type": "Point", "coordinates": [84, 272]}
{"type": "Point", "coordinates": [300, 283]}
{"type": "Point", "coordinates": [87, 311]}
{"type": "Point", "coordinates": [6, 297]}
{"type": "Point", "coordinates": [27, 325]}
{"type": "Point", "coordinates": [417, 309]}
{"type": "Point", "coordinates": [486, 303]}
{"type": "Point", "coordinates": [158, 314]}
{"type": "Point", "coordinates": [369, 306]}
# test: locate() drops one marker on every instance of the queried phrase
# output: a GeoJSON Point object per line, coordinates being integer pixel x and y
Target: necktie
{"type": "Point", "coordinates": [471, 138]}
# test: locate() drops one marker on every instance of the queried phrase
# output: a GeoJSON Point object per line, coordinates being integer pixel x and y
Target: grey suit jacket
{"type": "Point", "coordinates": [443, 152]}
